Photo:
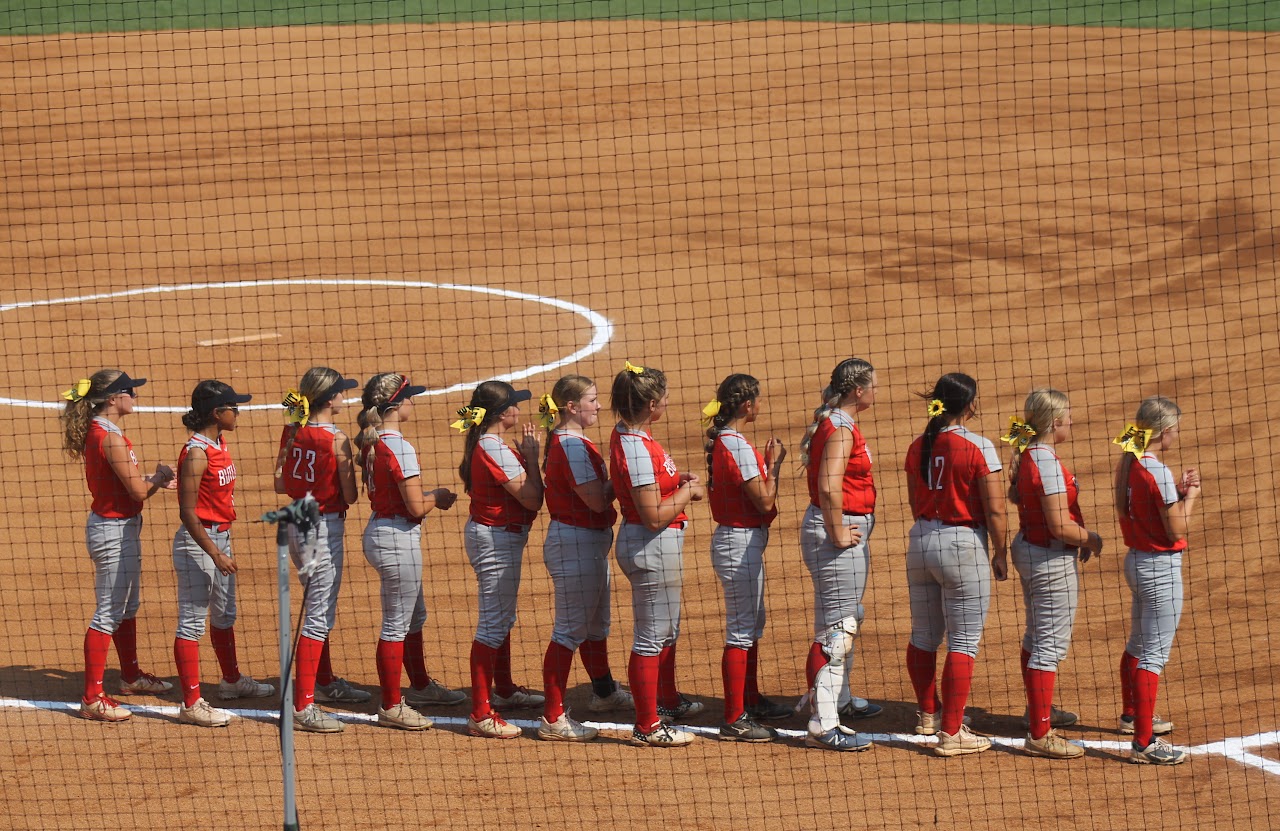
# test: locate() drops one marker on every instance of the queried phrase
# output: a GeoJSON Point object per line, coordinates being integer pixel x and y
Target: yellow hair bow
{"type": "Point", "coordinates": [468, 417]}
{"type": "Point", "coordinates": [1133, 440]}
{"type": "Point", "coordinates": [297, 408]}
{"type": "Point", "coordinates": [1020, 434]}
{"type": "Point", "coordinates": [710, 411]}
{"type": "Point", "coordinates": [936, 408]}
{"type": "Point", "coordinates": [80, 390]}
{"type": "Point", "coordinates": [633, 369]}
{"type": "Point", "coordinates": [548, 412]}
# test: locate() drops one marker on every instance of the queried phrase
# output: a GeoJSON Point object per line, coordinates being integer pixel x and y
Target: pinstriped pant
{"type": "Point", "coordinates": [1051, 592]}
{"type": "Point", "coordinates": [949, 582]}
{"type": "Point", "coordinates": [578, 561]}
{"type": "Point", "coordinates": [1155, 579]}
{"type": "Point", "coordinates": [116, 551]}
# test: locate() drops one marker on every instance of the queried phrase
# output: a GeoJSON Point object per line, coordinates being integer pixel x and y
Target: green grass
{"type": "Point", "coordinates": [34, 17]}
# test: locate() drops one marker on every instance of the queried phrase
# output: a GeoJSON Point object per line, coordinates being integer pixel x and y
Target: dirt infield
{"type": "Point", "coordinates": [1088, 208]}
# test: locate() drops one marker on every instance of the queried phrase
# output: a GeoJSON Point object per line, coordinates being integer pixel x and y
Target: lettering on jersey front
{"type": "Point", "coordinates": [227, 475]}
{"type": "Point", "coordinates": [669, 465]}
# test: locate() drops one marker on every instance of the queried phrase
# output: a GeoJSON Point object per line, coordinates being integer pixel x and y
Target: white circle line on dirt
{"type": "Point", "coordinates": [1229, 748]}
{"type": "Point", "coordinates": [601, 326]}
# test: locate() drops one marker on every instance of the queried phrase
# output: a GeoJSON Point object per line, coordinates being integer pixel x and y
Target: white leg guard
{"type": "Point", "coordinates": [836, 643]}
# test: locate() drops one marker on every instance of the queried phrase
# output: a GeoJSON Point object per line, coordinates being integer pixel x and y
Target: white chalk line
{"type": "Point", "coordinates": [1235, 749]}
{"type": "Point", "coordinates": [259, 338]}
{"type": "Point", "coordinates": [601, 334]}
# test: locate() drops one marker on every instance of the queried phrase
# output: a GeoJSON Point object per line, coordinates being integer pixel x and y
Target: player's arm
{"type": "Point", "coordinates": [991, 487]}
{"type": "Point", "coordinates": [1176, 517]}
{"type": "Point", "coordinates": [657, 513]}
{"type": "Point", "coordinates": [527, 487]}
{"type": "Point", "coordinates": [596, 495]}
{"type": "Point", "coordinates": [140, 488]}
{"type": "Point", "coordinates": [835, 458]}
{"type": "Point", "coordinates": [345, 456]}
{"type": "Point", "coordinates": [763, 492]}
{"type": "Point", "coordinates": [192, 471]}
{"type": "Point", "coordinates": [1057, 514]}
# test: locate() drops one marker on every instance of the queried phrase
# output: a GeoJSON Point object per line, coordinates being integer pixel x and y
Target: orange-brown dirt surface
{"type": "Point", "coordinates": [1088, 208]}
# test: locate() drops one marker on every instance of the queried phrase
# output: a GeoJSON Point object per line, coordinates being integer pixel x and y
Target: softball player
{"type": "Point", "coordinates": [580, 502]}
{"type": "Point", "coordinates": [392, 544]}
{"type": "Point", "coordinates": [91, 432]}
{"type": "Point", "coordinates": [743, 490]}
{"type": "Point", "coordinates": [652, 495]}
{"type": "Point", "coordinates": [505, 485]}
{"type": "Point", "coordinates": [1051, 537]}
{"type": "Point", "coordinates": [1155, 510]}
{"type": "Point", "coordinates": [958, 503]}
{"type": "Point", "coordinates": [833, 542]}
{"type": "Point", "coordinates": [202, 554]}
{"type": "Point", "coordinates": [315, 458]}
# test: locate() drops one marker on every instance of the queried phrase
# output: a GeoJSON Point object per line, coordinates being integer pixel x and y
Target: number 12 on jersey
{"type": "Point", "coordinates": [936, 471]}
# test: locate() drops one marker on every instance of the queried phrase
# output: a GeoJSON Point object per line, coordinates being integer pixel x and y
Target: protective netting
{"type": "Point", "coordinates": [1079, 196]}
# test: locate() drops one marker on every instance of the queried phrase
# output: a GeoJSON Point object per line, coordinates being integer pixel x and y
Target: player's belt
{"type": "Point", "coordinates": [337, 514]}
{"type": "Point", "coordinates": [513, 528]}
{"type": "Point", "coordinates": [858, 516]}
{"type": "Point", "coordinates": [220, 527]}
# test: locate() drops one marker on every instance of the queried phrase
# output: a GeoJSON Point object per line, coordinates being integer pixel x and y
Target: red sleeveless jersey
{"type": "Point", "coordinates": [493, 464]}
{"type": "Point", "coordinates": [573, 461]}
{"type": "Point", "coordinates": [950, 493]}
{"type": "Point", "coordinates": [734, 462]}
{"type": "Point", "coordinates": [110, 498]}
{"type": "Point", "coordinates": [216, 500]}
{"type": "Point", "coordinates": [1151, 487]}
{"type": "Point", "coordinates": [1042, 473]}
{"type": "Point", "coordinates": [387, 463]}
{"type": "Point", "coordinates": [312, 467]}
{"type": "Point", "coordinates": [858, 488]}
{"type": "Point", "coordinates": [635, 460]}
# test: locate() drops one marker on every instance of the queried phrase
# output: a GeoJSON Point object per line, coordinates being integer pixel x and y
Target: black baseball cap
{"type": "Point", "coordinates": [340, 385]}
{"type": "Point", "coordinates": [210, 395]}
{"type": "Point", "coordinates": [124, 382]}
{"type": "Point", "coordinates": [514, 396]}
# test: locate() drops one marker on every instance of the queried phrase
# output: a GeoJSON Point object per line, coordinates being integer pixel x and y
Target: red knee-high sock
{"type": "Point", "coordinates": [224, 646]}
{"type": "Point", "coordinates": [483, 659]}
{"type": "Point", "coordinates": [390, 658]}
{"type": "Point", "coordinates": [922, 668]}
{"type": "Point", "coordinates": [126, 641]}
{"type": "Point", "coordinates": [324, 671]}
{"type": "Point", "coordinates": [1128, 666]}
{"type": "Point", "coordinates": [668, 694]}
{"type": "Point", "coordinates": [1145, 686]}
{"type": "Point", "coordinates": [595, 658]}
{"type": "Point", "coordinates": [642, 675]}
{"type": "Point", "coordinates": [957, 678]}
{"type": "Point", "coordinates": [96, 645]}
{"type": "Point", "coordinates": [817, 660]}
{"type": "Point", "coordinates": [503, 684]}
{"type": "Point", "coordinates": [555, 678]}
{"type": "Point", "coordinates": [1025, 660]}
{"type": "Point", "coordinates": [1039, 700]}
{"type": "Point", "coordinates": [751, 684]}
{"type": "Point", "coordinates": [415, 662]}
{"type": "Point", "coordinates": [304, 676]}
{"type": "Point", "coordinates": [733, 669]}
{"type": "Point", "coordinates": [186, 654]}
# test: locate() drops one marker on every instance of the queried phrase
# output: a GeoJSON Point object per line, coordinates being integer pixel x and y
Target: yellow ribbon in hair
{"type": "Point", "coordinates": [468, 417]}
{"type": "Point", "coordinates": [936, 408]}
{"type": "Point", "coordinates": [548, 412]}
{"type": "Point", "coordinates": [1133, 440]}
{"type": "Point", "coordinates": [297, 408]}
{"type": "Point", "coordinates": [80, 390]}
{"type": "Point", "coordinates": [1020, 434]}
{"type": "Point", "coordinates": [710, 411]}
{"type": "Point", "coordinates": [633, 369]}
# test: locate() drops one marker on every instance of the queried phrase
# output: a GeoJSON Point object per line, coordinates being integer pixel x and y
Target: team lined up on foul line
{"type": "Point", "coordinates": [957, 492]}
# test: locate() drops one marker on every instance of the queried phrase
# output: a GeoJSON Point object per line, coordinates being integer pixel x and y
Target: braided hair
{"type": "Point", "coordinates": [849, 374]}
{"type": "Point", "coordinates": [378, 391]}
{"type": "Point", "coordinates": [733, 392]}
{"type": "Point", "coordinates": [956, 391]}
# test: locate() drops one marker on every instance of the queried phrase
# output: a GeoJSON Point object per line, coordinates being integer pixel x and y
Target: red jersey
{"type": "Point", "coordinates": [215, 503]}
{"type": "Point", "coordinates": [110, 498]}
{"type": "Point", "coordinates": [1041, 473]}
{"type": "Point", "coordinates": [386, 464]}
{"type": "Point", "coordinates": [312, 467]}
{"type": "Point", "coordinates": [1151, 487]}
{"type": "Point", "coordinates": [493, 464]}
{"type": "Point", "coordinates": [857, 487]}
{"type": "Point", "coordinates": [635, 460]}
{"type": "Point", "coordinates": [950, 493]}
{"type": "Point", "coordinates": [734, 462]}
{"type": "Point", "coordinates": [573, 461]}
